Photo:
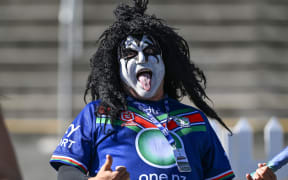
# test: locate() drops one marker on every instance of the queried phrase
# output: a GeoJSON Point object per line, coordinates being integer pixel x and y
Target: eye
{"type": "Point", "coordinates": [129, 53]}
{"type": "Point", "coordinates": [150, 50]}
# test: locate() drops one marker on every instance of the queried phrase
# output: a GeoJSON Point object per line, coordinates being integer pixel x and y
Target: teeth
{"type": "Point", "coordinates": [144, 71]}
{"type": "Point", "coordinates": [144, 74]}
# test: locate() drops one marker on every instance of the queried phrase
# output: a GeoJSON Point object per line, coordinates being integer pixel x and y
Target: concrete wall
{"type": "Point", "coordinates": [242, 45]}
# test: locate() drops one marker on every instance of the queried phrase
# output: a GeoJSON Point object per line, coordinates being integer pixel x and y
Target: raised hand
{"type": "Point", "coordinates": [106, 173]}
{"type": "Point", "coordinates": [262, 173]}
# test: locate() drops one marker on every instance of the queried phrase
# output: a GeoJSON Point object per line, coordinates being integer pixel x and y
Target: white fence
{"type": "Point", "coordinates": [239, 147]}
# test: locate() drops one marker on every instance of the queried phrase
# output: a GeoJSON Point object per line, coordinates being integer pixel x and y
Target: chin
{"type": "Point", "coordinates": [151, 95]}
{"type": "Point", "coordinates": [146, 96]}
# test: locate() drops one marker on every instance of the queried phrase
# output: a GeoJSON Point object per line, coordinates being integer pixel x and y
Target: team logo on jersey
{"type": "Point", "coordinates": [128, 117]}
{"type": "Point", "coordinates": [154, 149]}
{"type": "Point", "coordinates": [181, 121]}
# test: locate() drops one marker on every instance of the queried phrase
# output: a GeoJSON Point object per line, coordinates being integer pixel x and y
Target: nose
{"type": "Point", "coordinates": [141, 58]}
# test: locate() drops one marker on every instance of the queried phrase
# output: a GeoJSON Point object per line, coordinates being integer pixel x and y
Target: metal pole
{"type": "Point", "coordinates": [70, 47]}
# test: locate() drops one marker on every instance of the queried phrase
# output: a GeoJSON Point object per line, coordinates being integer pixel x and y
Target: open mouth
{"type": "Point", "coordinates": [144, 76]}
{"type": "Point", "coordinates": [144, 72]}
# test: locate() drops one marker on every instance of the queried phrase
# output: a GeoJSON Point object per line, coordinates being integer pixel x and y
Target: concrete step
{"type": "Point", "coordinates": [29, 82]}
{"type": "Point", "coordinates": [11, 57]}
{"type": "Point", "coordinates": [28, 33]}
{"type": "Point", "coordinates": [198, 12]}
{"type": "Point", "coordinates": [39, 105]}
{"type": "Point", "coordinates": [16, 55]}
{"type": "Point", "coordinates": [192, 33]}
{"type": "Point", "coordinates": [172, 12]}
{"type": "Point", "coordinates": [151, 2]}
{"type": "Point", "coordinates": [28, 12]}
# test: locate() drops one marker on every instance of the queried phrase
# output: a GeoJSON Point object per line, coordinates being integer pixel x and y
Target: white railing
{"type": "Point", "coordinates": [239, 147]}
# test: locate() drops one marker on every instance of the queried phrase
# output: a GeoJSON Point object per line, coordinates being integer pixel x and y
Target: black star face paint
{"type": "Point", "coordinates": [141, 65]}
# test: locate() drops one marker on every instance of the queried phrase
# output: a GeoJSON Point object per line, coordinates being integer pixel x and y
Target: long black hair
{"type": "Point", "coordinates": [182, 77]}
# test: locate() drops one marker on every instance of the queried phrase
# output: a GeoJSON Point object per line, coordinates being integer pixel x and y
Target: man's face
{"type": "Point", "coordinates": [141, 66]}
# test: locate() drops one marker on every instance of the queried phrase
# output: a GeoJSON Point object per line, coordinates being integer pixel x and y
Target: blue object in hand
{"type": "Point", "coordinates": [278, 161]}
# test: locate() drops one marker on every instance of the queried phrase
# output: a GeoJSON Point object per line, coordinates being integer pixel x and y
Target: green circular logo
{"type": "Point", "coordinates": [154, 149]}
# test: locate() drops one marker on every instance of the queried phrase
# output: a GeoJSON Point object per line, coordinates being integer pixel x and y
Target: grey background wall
{"type": "Point", "coordinates": [242, 45]}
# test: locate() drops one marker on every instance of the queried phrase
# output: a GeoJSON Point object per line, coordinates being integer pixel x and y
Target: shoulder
{"type": "Point", "coordinates": [184, 107]}
{"type": "Point", "coordinates": [93, 103]}
{"type": "Point", "coordinates": [87, 114]}
{"type": "Point", "coordinates": [179, 104]}
{"type": "Point", "coordinates": [91, 106]}
{"type": "Point", "coordinates": [195, 115]}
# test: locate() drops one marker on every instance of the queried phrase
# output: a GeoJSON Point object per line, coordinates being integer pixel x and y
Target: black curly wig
{"type": "Point", "coordinates": [182, 77]}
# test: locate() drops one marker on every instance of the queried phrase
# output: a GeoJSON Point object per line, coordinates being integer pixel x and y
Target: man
{"type": "Point", "coordinates": [135, 126]}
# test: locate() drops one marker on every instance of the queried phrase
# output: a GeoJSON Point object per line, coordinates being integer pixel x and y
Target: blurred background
{"type": "Point", "coordinates": [45, 47]}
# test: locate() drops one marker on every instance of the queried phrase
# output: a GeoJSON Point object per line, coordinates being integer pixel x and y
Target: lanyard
{"type": "Point", "coordinates": [179, 153]}
{"type": "Point", "coordinates": [144, 108]}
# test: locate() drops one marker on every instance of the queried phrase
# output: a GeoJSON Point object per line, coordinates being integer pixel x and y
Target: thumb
{"type": "Point", "coordinates": [108, 163]}
{"type": "Point", "coordinates": [248, 177]}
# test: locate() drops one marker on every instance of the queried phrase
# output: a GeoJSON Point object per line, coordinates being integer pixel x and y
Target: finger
{"type": "Point", "coordinates": [108, 163]}
{"type": "Point", "coordinates": [115, 175]}
{"type": "Point", "coordinates": [256, 176]}
{"type": "Point", "coordinates": [261, 165]}
{"type": "Point", "coordinates": [273, 176]}
{"type": "Point", "coordinates": [121, 170]}
{"type": "Point", "coordinates": [126, 176]}
{"type": "Point", "coordinates": [262, 172]}
{"type": "Point", "coordinates": [248, 177]}
{"type": "Point", "coordinates": [268, 173]}
{"type": "Point", "coordinates": [259, 172]}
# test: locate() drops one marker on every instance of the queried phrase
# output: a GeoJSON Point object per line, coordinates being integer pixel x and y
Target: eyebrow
{"type": "Point", "coordinates": [148, 40]}
{"type": "Point", "coordinates": [149, 43]}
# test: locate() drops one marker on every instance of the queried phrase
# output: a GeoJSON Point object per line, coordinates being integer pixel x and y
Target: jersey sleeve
{"type": "Point", "coordinates": [75, 146]}
{"type": "Point", "coordinates": [215, 161]}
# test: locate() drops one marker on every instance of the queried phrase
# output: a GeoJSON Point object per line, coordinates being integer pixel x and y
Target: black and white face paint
{"type": "Point", "coordinates": [141, 65]}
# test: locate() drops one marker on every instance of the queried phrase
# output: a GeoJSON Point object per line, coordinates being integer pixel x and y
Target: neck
{"type": "Point", "coordinates": [158, 96]}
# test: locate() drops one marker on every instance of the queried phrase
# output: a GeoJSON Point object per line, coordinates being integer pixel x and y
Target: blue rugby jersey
{"type": "Point", "coordinates": [136, 143]}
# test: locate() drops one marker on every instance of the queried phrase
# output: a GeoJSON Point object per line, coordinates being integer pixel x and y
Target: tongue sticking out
{"type": "Point", "coordinates": [145, 80]}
